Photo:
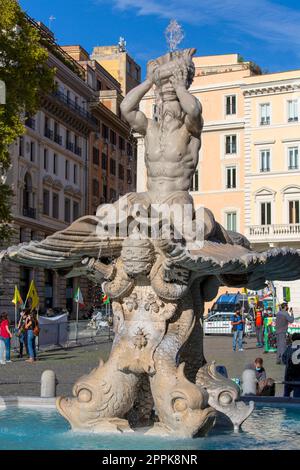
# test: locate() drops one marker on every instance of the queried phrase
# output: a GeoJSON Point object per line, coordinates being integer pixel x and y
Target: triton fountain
{"type": "Point", "coordinates": [159, 275]}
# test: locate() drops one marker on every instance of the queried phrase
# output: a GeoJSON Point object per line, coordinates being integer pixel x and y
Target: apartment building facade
{"type": "Point", "coordinates": [112, 159]}
{"type": "Point", "coordinates": [58, 172]}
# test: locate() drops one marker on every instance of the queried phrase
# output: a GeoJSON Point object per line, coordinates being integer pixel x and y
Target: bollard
{"type": "Point", "coordinates": [249, 382]}
{"type": "Point", "coordinates": [48, 384]}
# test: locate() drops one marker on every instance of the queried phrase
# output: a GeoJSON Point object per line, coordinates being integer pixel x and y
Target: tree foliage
{"type": "Point", "coordinates": [24, 70]}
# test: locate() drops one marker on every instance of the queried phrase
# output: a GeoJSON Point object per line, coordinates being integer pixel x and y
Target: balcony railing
{"type": "Point", "coordinates": [276, 232]}
{"type": "Point", "coordinates": [74, 106]}
{"type": "Point", "coordinates": [265, 122]}
{"type": "Point", "coordinates": [58, 139]}
{"type": "Point", "coordinates": [49, 133]}
{"type": "Point", "coordinates": [78, 151]}
{"type": "Point", "coordinates": [29, 212]}
{"type": "Point", "coordinates": [70, 146]}
{"type": "Point", "coordinates": [293, 119]}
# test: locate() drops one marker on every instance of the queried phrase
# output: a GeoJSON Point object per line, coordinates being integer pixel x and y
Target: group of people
{"type": "Point", "coordinates": [284, 317]}
{"type": "Point", "coordinates": [27, 330]}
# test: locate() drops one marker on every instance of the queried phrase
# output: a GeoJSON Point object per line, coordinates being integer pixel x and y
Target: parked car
{"type": "Point", "coordinates": [218, 321]}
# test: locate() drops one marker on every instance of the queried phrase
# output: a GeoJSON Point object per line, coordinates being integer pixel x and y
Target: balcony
{"type": "Point", "coordinates": [58, 139]}
{"type": "Point", "coordinates": [78, 151]}
{"type": "Point", "coordinates": [49, 133]}
{"type": "Point", "coordinates": [79, 110]}
{"type": "Point", "coordinates": [273, 233]}
{"type": "Point", "coordinates": [293, 119]}
{"type": "Point", "coordinates": [29, 212]}
{"type": "Point", "coordinates": [70, 146]}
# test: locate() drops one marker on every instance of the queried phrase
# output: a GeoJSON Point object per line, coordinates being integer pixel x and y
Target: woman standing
{"type": "Point", "coordinates": [22, 333]}
{"type": "Point", "coordinates": [5, 334]}
{"type": "Point", "coordinates": [31, 326]}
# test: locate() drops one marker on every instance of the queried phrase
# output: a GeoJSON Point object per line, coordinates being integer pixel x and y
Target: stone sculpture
{"type": "Point", "coordinates": [158, 285]}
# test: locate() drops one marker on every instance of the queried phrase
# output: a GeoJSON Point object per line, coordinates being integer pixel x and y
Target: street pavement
{"type": "Point", "coordinates": [20, 378]}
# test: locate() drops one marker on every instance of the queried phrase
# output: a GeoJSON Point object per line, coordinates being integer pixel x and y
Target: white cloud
{"type": "Point", "coordinates": [262, 19]}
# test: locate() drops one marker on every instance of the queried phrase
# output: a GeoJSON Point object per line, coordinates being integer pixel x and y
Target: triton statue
{"type": "Point", "coordinates": [156, 375]}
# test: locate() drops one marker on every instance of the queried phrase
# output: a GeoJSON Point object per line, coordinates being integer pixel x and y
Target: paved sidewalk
{"type": "Point", "coordinates": [70, 364]}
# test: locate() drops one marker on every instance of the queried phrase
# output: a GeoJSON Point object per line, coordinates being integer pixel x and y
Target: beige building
{"type": "Point", "coordinates": [117, 61]}
{"type": "Point", "coordinates": [248, 171]}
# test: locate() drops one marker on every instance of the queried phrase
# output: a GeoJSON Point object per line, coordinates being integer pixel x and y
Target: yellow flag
{"type": "Point", "coordinates": [17, 297]}
{"type": "Point", "coordinates": [244, 291]}
{"type": "Point", "coordinates": [33, 295]}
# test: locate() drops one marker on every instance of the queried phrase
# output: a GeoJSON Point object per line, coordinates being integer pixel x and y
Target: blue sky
{"type": "Point", "coordinates": [265, 31]}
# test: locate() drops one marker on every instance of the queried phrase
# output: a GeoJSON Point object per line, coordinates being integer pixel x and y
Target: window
{"type": "Point", "coordinates": [98, 85]}
{"type": "Point", "coordinates": [294, 212]}
{"type": "Point", "coordinates": [46, 202]}
{"type": "Point", "coordinates": [265, 213]}
{"type": "Point", "coordinates": [96, 154]}
{"type": "Point", "coordinates": [55, 164]}
{"type": "Point", "coordinates": [21, 147]}
{"type": "Point", "coordinates": [32, 151]}
{"type": "Point", "coordinates": [195, 182]}
{"type": "Point", "coordinates": [75, 210]}
{"type": "Point", "coordinates": [67, 210]}
{"type": "Point", "coordinates": [104, 131]}
{"type": "Point", "coordinates": [265, 114]}
{"type": "Point", "coordinates": [113, 137]}
{"type": "Point", "coordinates": [230, 105]}
{"type": "Point", "coordinates": [95, 188]}
{"type": "Point", "coordinates": [264, 160]}
{"type": "Point", "coordinates": [121, 172]}
{"type": "Point", "coordinates": [231, 177]}
{"type": "Point", "coordinates": [55, 205]}
{"type": "Point", "coordinates": [113, 195]}
{"type": "Point", "coordinates": [75, 174]}
{"type": "Point", "coordinates": [231, 221]}
{"type": "Point", "coordinates": [104, 161]}
{"type": "Point", "coordinates": [121, 143]}
{"type": "Point", "coordinates": [293, 157]}
{"type": "Point", "coordinates": [292, 110]}
{"type": "Point", "coordinates": [230, 144]}
{"type": "Point", "coordinates": [129, 149]}
{"type": "Point", "coordinates": [112, 167]}
{"type": "Point", "coordinates": [46, 159]}
{"type": "Point", "coordinates": [67, 169]}
{"type": "Point", "coordinates": [105, 192]}
{"type": "Point", "coordinates": [129, 177]}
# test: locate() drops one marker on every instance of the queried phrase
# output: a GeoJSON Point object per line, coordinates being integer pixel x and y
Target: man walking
{"type": "Point", "coordinates": [283, 318]}
{"type": "Point", "coordinates": [237, 323]}
{"type": "Point", "coordinates": [259, 325]}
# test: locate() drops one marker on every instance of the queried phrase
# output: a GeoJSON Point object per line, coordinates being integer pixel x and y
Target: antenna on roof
{"type": "Point", "coordinates": [122, 44]}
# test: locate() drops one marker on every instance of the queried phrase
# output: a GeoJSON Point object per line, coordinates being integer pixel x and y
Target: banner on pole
{"type": "Point", "coordinates": [33, 295]}
{"type": "Point", "coordinates": [17, 299]}
{"type": "Point", "coordinates": [78, 297]}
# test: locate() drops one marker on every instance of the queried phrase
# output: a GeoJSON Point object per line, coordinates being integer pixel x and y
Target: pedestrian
{"type": "Point", "coordinates": [32, 328]}
{"type": "Point", "coordinates": [265, 386]}
{"type": "Point", "coordinates": [5, 335]}
{"type": "Point", "coordinates": [237, 323]}
{"type": "Point", "coordinates": [291, 359]}
{"type": "Point", "coordinates": [22, 332]}
{"type": "Point", "coordinates": [259, 326]}
{"type": "Point", "coordinates": [283, 318]}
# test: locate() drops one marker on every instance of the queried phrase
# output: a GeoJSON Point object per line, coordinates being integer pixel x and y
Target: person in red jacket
{"type": "Point", "coordinates": [5, 334]}
{"type": "Point", "coordinates": [259, 325]}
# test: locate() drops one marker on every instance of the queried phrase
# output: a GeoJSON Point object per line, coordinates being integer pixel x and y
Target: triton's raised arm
{"type": "Point", "coordinates": [190, 105]}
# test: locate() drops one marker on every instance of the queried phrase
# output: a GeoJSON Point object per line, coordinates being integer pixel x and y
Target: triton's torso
{"type": "Point", "coordinates": [171, 157]}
